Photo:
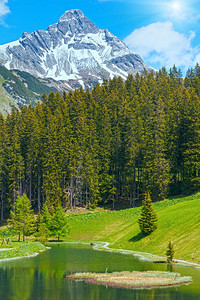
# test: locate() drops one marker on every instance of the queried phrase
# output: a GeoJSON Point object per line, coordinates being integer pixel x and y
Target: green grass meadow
{"type": "Point", "coordinates": [178, 222]}
{"type": "Point", "coordinates": [21, 250]}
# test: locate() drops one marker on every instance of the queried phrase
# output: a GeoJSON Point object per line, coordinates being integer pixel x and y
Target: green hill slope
{"type": "Point", "coordinates": [33, 84]}
{"type": "Point", "coordinates": [19, 89]}
{"type": "Point", "coordinates": [178, 221]}
{"type": "Point", "coordinates": [6, 100]}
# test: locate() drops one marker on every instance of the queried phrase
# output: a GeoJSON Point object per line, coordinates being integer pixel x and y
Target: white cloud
{"type": "Point", "coordinates": [4, 9]}
{"type": "Point", "coordinates": [160, 44]}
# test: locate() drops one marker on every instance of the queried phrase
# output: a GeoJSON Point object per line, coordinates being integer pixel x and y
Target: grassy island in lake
{"type": "Point", "coordinates": [149, 279]}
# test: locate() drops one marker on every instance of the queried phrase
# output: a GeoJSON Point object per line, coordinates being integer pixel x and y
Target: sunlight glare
{"type": "Point", "coordinates": [176, 6]}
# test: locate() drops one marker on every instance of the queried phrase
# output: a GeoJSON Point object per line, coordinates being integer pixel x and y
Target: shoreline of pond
{"type": "Point", "coordinates": [103, 246]}
{"type": "Point", "coordinates": [26, 250]}
{"type": "Point", "coordinates": [35, 248]}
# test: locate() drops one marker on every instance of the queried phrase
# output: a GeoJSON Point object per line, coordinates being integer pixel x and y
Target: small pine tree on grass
{"type": "Point", "coordinates": [170, 252]}
{"type": "Point", "coordinates": [46, 216]}
{"type": "Point", "coordinates": [44, 224]}
{"type": "Point", "coordinates": [148, 219]}
{"type": "Point", "coordinates": [43, 233]}
{"type": "Point", "coordinates": [59, 223]}
{"type": "Point", "coordinates": [22, 217]}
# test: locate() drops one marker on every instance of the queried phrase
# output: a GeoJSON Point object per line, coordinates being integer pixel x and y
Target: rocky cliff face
{"type": "Point", "coordinates": [73, 50]}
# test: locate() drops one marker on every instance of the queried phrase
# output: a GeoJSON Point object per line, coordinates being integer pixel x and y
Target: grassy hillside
{"type": "Point", "coordinates": [19, 89]}
{"type": "Point", "coordinates": [16, 88]}
{"type": "Point", "coordinates": [34, 84]}
{"type": "Point", "coordinates": [178, 221]}
{"type": "Point", "coordinates": [6, 101]}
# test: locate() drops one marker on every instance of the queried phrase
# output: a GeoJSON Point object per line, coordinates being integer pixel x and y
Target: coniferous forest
{"type": "Point", "coordinates": [105, 146]}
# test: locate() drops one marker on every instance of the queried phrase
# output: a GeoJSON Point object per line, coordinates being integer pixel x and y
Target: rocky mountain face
{"type": "Point", "coordinates": [73, 51]}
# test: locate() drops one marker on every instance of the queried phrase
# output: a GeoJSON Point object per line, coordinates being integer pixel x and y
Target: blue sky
{"type": "Point", "coordinates": [162, 32]}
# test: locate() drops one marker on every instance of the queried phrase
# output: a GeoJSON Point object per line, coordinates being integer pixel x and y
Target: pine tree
{"type": "Point", "coordinates": [3, 170]}
{"type": "Point", "coordinates": [59, 223]}
{"type": "Point", "coordinates": [15, 163]}
{"type": "Point", "coordinates": [148, 219]}
{"type": "Point", "coordinates": [46, 217]}
{"type": "Point", "coordinates": [22, 217]}
{"type": "Point", "coordinates": [43, 233]}
{"type": "Point", "coordinates": [191, 144]}
{"type": "Point", "coordinates": [170, 252]}
{"type": "Point", "coordinates": [159, 179]}
{"type": "Point", "coordinates": [43, 224]}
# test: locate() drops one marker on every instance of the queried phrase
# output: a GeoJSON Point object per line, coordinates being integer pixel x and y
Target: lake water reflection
{"type": "Point", "coordinates": [44, 276]}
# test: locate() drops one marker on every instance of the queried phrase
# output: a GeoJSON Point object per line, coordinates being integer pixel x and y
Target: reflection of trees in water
{"type": "Point", "coordinates": [25, 283]}
{"type": "Point", "coordinates": [20, 283]}
{"type": "Point", "coordinates": [169, 268]}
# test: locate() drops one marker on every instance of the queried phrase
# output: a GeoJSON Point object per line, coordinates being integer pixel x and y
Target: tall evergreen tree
{"type": "Point", "coordinates": [4, 183]}
{"type": "Point", "coordinates": [22, 217]}
{"type": "Point", "coordinates": [148, 219]}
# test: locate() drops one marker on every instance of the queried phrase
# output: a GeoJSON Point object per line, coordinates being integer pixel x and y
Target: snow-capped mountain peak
{"type": "Point", "coordinates": [74, 50]}
{"type": "Point", "coordinates": [72, 14]}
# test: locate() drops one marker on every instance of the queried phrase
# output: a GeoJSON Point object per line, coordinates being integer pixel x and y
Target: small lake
{"type": "Point", "coordinates": [44, 276]}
